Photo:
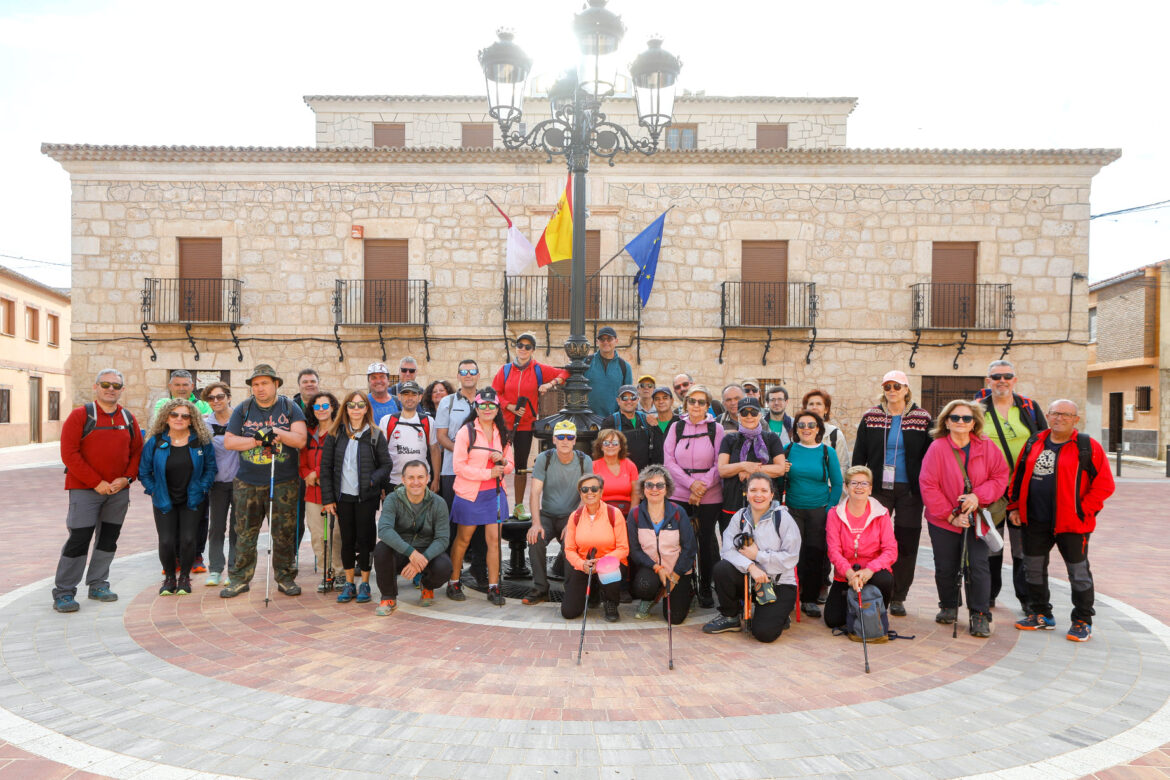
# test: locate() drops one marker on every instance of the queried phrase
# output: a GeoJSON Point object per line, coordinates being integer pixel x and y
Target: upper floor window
{"type": "Point", "coordinates": [53, 325]}
{"type": "Point", "coordinates": [200, 279]}
{"type": "Point", "coordinates": [771, 136]}
{"type": "Point", "coordinates": [32, 324]}
{"type": "Point", "coordinates": [477, 135]}
{"type": "Point", "coordinates": [7, 316]}
{"type": "Point", "coordinates": [1093, 324]}
{"type": "Point", "coordinates": [682, 136]}
{"type": "Point", "coordinates": [390, 134]}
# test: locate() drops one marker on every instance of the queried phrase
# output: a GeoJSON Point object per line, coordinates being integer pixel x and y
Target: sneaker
{"type": "Point", "coordinates": [455, 591]}
{"type": "Point", "coordinates": [169, 586]}
{"type": "Point", "coordinates": [897, 609]}
{"type": "Point", "coordinates": [213, 579]}
{"type": "Point", "coordinates": [494, 595]}
{"type": "Point", "coordinates": [428, 598]}
{"type": "Point", "coordinates": [722, 624]}
{"type": "Point", "coordinates": [535, 596]}
{"type": "Point", "coordinates": [980, 625]}
{"type": "Point", "coordinates": [386, 607]}
{"type": "Point", "coordinates": [339, 582]}
{"type": "Point", "coordinates": [644, 607]}
{"type": "Point", "coordinates": [289, 588]}
{"type": "Point", "coordinates": [811, 609]}
{"type": "Point", "coordinates": [323, 587]}
{"type": "Point", "coordinates": [1036, 622]}
{"type": "Point", "coordinates": [348, 591]}
{"type": "Point", "coordinates": [233, 589]}
{"type": "Point", "coordinates": [198, 567]}
{"type": "Point", "coordinates": [102, 593]}
{"type": "Point", "coordinates": [65, 603]}
{"type": "Point", "coordinates": [183, 586]}
{"type": "Point", "coordinates": [611, 612]}
{"type": "Point", "coordinates": [521, 514]}
{"type": "Point", "coordinates": [1079, 631]}
{"type": "Point", "coordinates": [417, 581]}
{"type": "Point", "coordinates": [363, 593]}
{"type": "Point", "coordinates": [947, 615]}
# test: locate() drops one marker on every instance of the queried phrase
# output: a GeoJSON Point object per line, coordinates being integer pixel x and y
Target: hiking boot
{"type": "Point", "coordinates": [65, 603]}
{"type": "Point", "coordinates": [386, 607]}
{"type": "Point", "coordinates": [980, 625]}
{"type": "Point", "coordinates": [102, 593]}
{"type": "Point", "coordinates": [535, 596]}
{"type": "Point", "coordinates": [811, 609]}
{"type": "Point", "coordinates": [363, 593]}
{"type": "Point", "coordinates": [455, 591]}
{"type": "Point", "coordinates": [611, 612]}
{"type": "Point", "coordinates": [233, 589]}
{"type": "Point", "coordinates": [198, 567]}
{"type": "Point", "coordinates": [289, 588]}
{"type": "Point", "coordinates": [348, 591]}
{"type": "Point", "coordinates": [521, 514]}
{"type": "Point", "coordinates": [644, 607]}
{"type": "Point", "coordinates": [169, 586]}
{"type": "Point", "coordinates": [494, 595]}
{"type": "Point", "coordinates": [947, 615]}
{"type": "Point", "coordinates": [722, 624]}
{"type": "Point", "coordinates": [183, 586]}
{"type": "Point", "coordinates": [897, 609]}
{"type": "Point", "coordinates": [428, 597]}
{"type": "Point", "coordinates": [1079, 631]}
{"type": "Point", "coordinates": [1036, 622]}
{"type": "Point", "coordinates": [213, 579]}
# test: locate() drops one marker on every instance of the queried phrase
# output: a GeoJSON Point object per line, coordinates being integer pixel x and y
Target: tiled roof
{"type": "Point", "coordinates": [17, 276]}
{"type": "Point", "coordinates": [692, 98]}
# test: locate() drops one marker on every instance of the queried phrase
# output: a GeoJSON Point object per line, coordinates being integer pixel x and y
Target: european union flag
{"type": "Point", "coordinates": [644, 250]}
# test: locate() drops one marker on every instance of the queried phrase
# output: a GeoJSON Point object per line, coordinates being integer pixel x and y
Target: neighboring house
{"type": "Point", "coordinates": [786, 254]}
{"type": "Point", "coordinates": [1129, 361]}
{"type": "Point", "coordinates": [35, 391]}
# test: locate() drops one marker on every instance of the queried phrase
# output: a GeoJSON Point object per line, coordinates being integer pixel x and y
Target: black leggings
{"type": "Point", "coordinates": [705, 518]}
{"type": "Point", "coordinates": [645, 585]}
{"type": "Point", "coordinates": [573, 600]}
{"type": "Point", "coordinates": [177, 530]}
{"type": "Point", "coordinates": [358, 531]}
{"type": "Point", "coordinates": [810, 571]}
{"type": "Point", "coordinates": [835, 607]}
{"type": "Point", "coordinates": [768, 620]}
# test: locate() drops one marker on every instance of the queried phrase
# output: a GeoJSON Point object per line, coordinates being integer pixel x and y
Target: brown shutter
{"type": "Point", "coordinates": [938, 391]}
{"type": "Point", "coordinates": [387, 269]}
{"type": "Point", "coordinates": [771, 136]}
{"type": "Point", "coordinates": [764, 289]}
{"type": "Point", "coordinates": [390, 134]}
{"type": "Point", "coordinates": [559, 281]}
{"type": "Point", "coordinates": [477, 135]}
{"type": "Point", "coordinates": [200, 279]}
{"type": "Point", "coordinates": [952, 289]}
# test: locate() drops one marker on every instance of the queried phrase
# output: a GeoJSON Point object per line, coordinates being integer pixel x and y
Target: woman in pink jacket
{"type": "Point", "coordinates": [961, 472]}
{"type": "Point", "coordinates": [862, 547]}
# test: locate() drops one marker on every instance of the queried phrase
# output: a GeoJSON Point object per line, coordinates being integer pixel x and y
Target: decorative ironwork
{"type": "Point", "coordinates": [146, 338]}
{"type": "Point", "coordinates": [547, 299]}
{"type": "Point", "coordinates": [917, 343]}
{"type": "Point", "coordinates": [962, 306]}
{"type": "Point", "coordinates": [191, 341]}
{"type": "Point", "coordinates": [380, 302]}
{"type": "Point", "coordinates": [768, 305]}
{"type": "Point", "coordinates": [599, 136]}
{"type": "Point", "coordinates": [191, 301]}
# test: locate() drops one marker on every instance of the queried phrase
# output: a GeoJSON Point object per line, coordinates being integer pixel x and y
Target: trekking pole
{"type": "Point", "coordinates": [861, 621]}
{"type": "Point", "coordinates": [326, 579]}
{"type": "Point", "coordinates": [669, 625]}
{"type": "Point", "coordinates": [499, 539]}
{"type": "Point", "coordinates": [271, 509]}
{"type": "Point", "coordinates": [959, 585]}
{"type": "Point", "coordinates": [585, 613]}
{"type": "Point", "coordinates": [747, 602]}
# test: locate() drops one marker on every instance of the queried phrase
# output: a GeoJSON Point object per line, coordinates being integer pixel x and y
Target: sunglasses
{"type": "Point", "coordinates": [892, 386]}
{"type": "Point", "coordinates": [858, 484]}
{"type": "Point", "coordinates": [217, 397]}
{"type": "Point", "coordinates": [627, 397]}
{"type": "Point", "coordinates": [564, 437]}
{"type": "Point", "coordinates": [654, 485]}
{"type": "Point", "coordinates": [749, 413]}
{"type": "Point", "coordinates": [355, 405]}
{"type": "Point", "coordinates": [489, 407]}
{"type": "Point", "coordinates": [469, 372]}
{"type": "Point", "coordinates": [179, 416]}
{"type": "Point", "coordinates": [589, 489]}
{"type": "Point", "coordinates": [697, 402]}
{"type": "Point", "coordinates": [611, 443]}
{"type": "Point", "coordinates": [323, 406]}
{"type": "Point", "coordinates": [681, 387]}
{"type": "Point", "coordinates": [998, 377]}
{"type": "Point", "coordinates": [524, 345]}
{"type": "Point", "coordinates": [806, 426]}
{"type": "Point", "coordinates": [110, 385]}
{"type": "Point", "coordinates": [408, 370]}
{"type": "Point", "coordinates": [645, 385]}
{"type": "Point", "coordinates": [961, 418]}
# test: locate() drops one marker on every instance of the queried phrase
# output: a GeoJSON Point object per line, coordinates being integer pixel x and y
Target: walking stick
{"type": "Point", "coordinates": [669, 624]}
{"type": "Point", "coordinates": [326, 576]}
{"type": "Point", "coordinates": [499, 540]}
{"type": "Point", "coordinates": [271, 536]}
{"type": "Point", "coordinates": [861, 611]}
{"type": "Point", "coordinates": [959, 584]}
{"type": "Point", "coordinates": [585, 613]}
{"type": "Point", "coordinates": [747, 602]}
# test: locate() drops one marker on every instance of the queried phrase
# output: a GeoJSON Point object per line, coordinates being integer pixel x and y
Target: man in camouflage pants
{"type": "Point", "coordinates": [267, 430]}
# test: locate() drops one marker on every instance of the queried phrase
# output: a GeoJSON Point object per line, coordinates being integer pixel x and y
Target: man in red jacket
{"type": "Point", "coordinates": [100, 445]}
{"type": "Point", "coordinates": [1060, 484]}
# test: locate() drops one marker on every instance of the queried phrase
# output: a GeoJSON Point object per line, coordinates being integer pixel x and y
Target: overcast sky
{"type": "Point", "coordinates": [983, 74]}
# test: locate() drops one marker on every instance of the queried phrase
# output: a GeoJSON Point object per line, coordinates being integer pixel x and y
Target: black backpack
{"type": "Point", "coordinates": [782, 482]}
{"type": "Point", "coordinates": [91, 423]}
{"type": "Point", "coordinates": [681, 426]}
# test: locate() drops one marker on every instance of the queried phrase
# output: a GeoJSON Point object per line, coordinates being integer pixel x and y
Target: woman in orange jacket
{"type": "Point", "coordinates": [594, 531]}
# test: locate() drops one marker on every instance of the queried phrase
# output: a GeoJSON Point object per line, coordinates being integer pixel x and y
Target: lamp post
{"type": "Point", "coordinates": [577, 130]}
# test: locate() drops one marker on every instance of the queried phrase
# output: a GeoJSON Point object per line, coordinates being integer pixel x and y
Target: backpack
{"type": "Point", "coordinates": [547, 455]}
{"type": "Point", "coordinates": [639, 421]}
{"type": "Point", "coordinates": [870, 615]}
{"type": "Point", "coordinates": [681, 426]}
{"type": "Point", "coordinates": [535, 367]}
{"type": "Point", "coordinates": [426, 426]}
{"type": "Point", "coordinates": [91, 423]}
{"type": "Point", "coordinates": [281, 401]}
{"type": "Point", "coordinates": [1084, 461]}
{"type": "Point", "coordinates": [782, 482]}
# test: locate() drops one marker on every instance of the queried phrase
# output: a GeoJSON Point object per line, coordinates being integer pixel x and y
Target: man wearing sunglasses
{"type": "Point", "coordinates": [554, 498]}
{"type": "Point", "coordinates": [100, 446]}
{"type": "Point", "coordinates": [407, 372]}
{"type": "Point", "coordinates": [1011, 419]}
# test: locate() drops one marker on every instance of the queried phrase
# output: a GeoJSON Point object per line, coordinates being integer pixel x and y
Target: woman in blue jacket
{"type": "Point", "coordinates": [177, 469]}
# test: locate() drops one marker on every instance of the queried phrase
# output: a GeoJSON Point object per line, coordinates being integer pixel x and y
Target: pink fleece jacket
{"type": "Point", "coordinates": [873, 547]}
{"type": "Point", "coordinates": [473, 467]}
{"type": "Point", "coordinates": [941, 479]}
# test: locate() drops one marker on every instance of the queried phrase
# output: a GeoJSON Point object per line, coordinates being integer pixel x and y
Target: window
{"type": "Point", "coordinates": [771, 136]}
{"type": "Point", "coordinates": [32, 324]}
{"type": "Point", "coordinates": [558, 281]}
{"type": "Point", "coordinates": [1144, 399]}
{"type": "Point", "coordinates": [764, 286]}
{"type": "Point", "coordinates": [54, 405]}
{"type": "Point", "coordinates": [5, 404]}
{"type": "Point", "coordinates": [7, 316]}
{"type": "Point", "coordinates": [938, 391]}
{"type": "Point", "coordinates": [477, 135]}
{"type": "Point", "coordinates": [1093, 324]}
{"type": "Point", "coordinates": [390, 134]}
{"type": "Point", "coordinates": [53, 326]}
{"type": "Point", "coordinates": [952, 284]}
{"type": "Point", "coordinates": [681, 136]}
{"type": "Point", "coordinates": [201, 290]}
{"type": "Point", "coordinates": [387, 268]}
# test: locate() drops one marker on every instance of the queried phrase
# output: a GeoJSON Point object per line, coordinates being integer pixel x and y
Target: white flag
{"type": "Point", "coordinates": [520, 252]}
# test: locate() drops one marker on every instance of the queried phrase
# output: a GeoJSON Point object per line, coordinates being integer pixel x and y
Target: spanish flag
{"type": "Point", "coordinates": [556, 243]}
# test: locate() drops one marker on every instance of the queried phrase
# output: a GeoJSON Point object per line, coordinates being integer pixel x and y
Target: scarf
{"type": "Point", "coordinates": [753, 443]}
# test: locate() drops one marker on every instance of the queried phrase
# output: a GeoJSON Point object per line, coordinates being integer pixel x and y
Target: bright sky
{"type": "Point", "coordinates": [1008, 74]}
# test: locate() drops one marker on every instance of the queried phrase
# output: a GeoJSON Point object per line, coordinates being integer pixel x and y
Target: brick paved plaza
{"type": "Point", "coordinates": [197, 686]}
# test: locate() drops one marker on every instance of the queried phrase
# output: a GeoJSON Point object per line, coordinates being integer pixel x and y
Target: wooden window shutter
{"type": "Point", "coordinates": [200, 279]}
{"type": "Point", "coordinates": [953, 296]}
{"type": "Point", "coordinates": [764, 289]}
{"type": "Point", "coordinates": [559, 281]}
{"type": "Point", "coordinates": [477, 135]}
{"type": "Point", "coordinates": [771, 136]}
{"type": "Point", "coordinates": [390, 134]}
{"type": "Point", "coordinates": [387, 268]}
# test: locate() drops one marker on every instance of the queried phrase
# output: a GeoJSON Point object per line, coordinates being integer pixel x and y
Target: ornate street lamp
{"type": "Point", "coordinates": [577, 129]}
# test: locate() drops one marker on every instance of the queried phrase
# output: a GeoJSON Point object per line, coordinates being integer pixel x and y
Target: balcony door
{"type": "Point", "coordinates": [559, 280]}
{"type": "Point", "coordinates": [764, 290]}
{"type": "Point", "coordinates": [952, 288]}
{"type": "Point", "coordinates": [384, 294]}
{"type": "Point", "coordinates": [200, 288]}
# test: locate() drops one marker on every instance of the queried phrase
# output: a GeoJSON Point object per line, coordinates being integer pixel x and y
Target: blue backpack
{"type": "Point", "coordinates": [869, 614]}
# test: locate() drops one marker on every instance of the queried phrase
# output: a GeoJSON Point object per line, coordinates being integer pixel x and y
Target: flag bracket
{"type": "Point", "coordinates": [337, 338]}
{"type": "Point", "coordinates": [426, 321]}
{"type": "Point", "coordinates": [722, 341]}
{"type": "Point", "coordinates": [191, 341]}
{"type": "Point", "coordinates": [914, 346]}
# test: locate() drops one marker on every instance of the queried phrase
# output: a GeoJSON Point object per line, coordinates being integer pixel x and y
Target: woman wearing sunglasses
{"type": "Point", "coordinates": [750, 448]}
{"type": "Point", "coordinates": [221, 506]}
{"type": "Point", "coordinates": [813, 485]}
{"type": "Point", "coordinates": [617, 471]}
{"type": "Point", "coordinates": [323, 409]}
{"type": "Point", "coordinates": [483, 455]}
{"type": "Point", "coordinates": [177, 469]}
{"type": "Point", "coordinates": [355, 466]}
{"type": "Point", "coordinates": [662, 547]}
{"type": "Point", "coordinates": [963, 470]}
{"type": "Point", "coordinates": [892, 438]}
{"type": "Point", "coordinates": [595, 530]}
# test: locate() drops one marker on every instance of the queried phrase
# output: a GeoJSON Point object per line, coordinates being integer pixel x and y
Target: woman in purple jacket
{"type": "Point", "coordinates": [691, 454]}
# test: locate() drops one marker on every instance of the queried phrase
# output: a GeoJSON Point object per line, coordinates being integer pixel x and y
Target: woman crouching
{"type": "Point", "coordinates": [862, 547]}
{"type": "Point", "coordinates": [662, 547]}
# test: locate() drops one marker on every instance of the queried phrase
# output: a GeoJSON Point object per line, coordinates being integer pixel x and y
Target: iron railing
{"type": "Point", "coordinates": [380, 302]}
{"type": "Point", "coordinates": [546, 299]}
{"type": "Point", "coordinates": [768, 305]}
{"type": "Point", "coordinates": [963, 306]}
{"type": "Point", "coordinates": [185, 301]}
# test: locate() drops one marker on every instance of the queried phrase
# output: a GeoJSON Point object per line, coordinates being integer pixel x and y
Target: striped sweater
{"type": "Point", "coordinates": [869, 449]}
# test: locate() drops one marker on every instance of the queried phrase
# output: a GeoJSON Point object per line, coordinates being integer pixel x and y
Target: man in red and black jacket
{"type": "Point", "coordinates": [100, 446]}
{"type": "Point", "coordinates": [1060, 483]}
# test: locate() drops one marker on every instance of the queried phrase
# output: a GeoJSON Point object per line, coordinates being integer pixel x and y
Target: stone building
{"type": "Point", "coordinates": [787, 256]}
{"type": "Point", "coordinates": [1129, 370]}
{"type": "Point", "coordinates": [34, 361]}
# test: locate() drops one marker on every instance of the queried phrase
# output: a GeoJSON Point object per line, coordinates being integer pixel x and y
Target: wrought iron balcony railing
{"type": "Point", "coordinates": [380, 302]}
{"type": "Point", "coordinates": [188, 301]}
{"type": "Point", "coordinates": [546, 299]}
{"type": "Point", "coordinates": [962, 306]}
{"type": "Point", "coordinates": [768, 305]}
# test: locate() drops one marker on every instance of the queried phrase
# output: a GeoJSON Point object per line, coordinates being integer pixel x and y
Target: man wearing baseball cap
{"type": "Point", "coordinates": [382, 401]}
{"type": "Point", "coordinates": [630, 420]}
{"type": "Point", "coordinates": [646, 385]}
{"type": "Point", "coordinates": [266, 429]}
{"type": "Point", "coordinates": [410, 433]}
{"type": "Point", "coordinates": [607, 372]}
{"type": "Point", "coordinates": [663, 405]}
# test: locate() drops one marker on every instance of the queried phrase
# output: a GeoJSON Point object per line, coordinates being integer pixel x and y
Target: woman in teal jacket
{"type": "Point", "coordinates": [177, 469]}
{"type": "Point", "coordinates": [814, 485]}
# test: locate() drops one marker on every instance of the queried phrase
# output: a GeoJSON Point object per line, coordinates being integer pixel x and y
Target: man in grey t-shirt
{"type": "Point", "coordinates": [554, 497]}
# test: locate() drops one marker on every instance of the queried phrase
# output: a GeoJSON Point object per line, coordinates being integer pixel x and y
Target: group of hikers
{"type": "Point", "coordinates": [684, 500]}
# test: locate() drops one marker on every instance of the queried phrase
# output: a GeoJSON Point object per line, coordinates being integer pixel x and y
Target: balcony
{"type": "Point", "coordinates": [546, 299]}
{"type": "Point", "coordinates": [962, 306]}
{"type": "Point", "coordinates": [191, 301]}
{"type": "Point", "coordinates": [380, 302]}
{"type": "Point", "coordinates": [768, 305]}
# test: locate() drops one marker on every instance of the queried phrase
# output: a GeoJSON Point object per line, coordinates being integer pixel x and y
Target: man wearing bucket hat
{"type": "Point", "coordinates": [266, 430]}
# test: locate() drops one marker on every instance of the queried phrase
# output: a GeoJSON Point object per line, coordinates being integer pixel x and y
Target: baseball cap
{"type": "Point", "coordinates": [750, 402]}
{"type": "Point", "coordinates": [661, 389]}
{"type": "Point", "coordinates": [895, 376]}
{"type": "Point", "coordinates": [565, 426]}
{"type": "Point", "coordinates": [527, 337]}
{"type": "Point", "coordinates": [486, 396]}
{"type": "Point", "coordinates": [627, 389]}
{"type": "Point", "coordinates": [377, 368]}
{"type": "Point", "coordinates": [409, 387]}
{"type": "Point", "coordinates": [607, 331]}
{"type": "Point", "coordinates": [647, 377]}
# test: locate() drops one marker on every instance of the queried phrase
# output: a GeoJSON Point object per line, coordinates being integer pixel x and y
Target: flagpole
{"type": "Point", "coordinates": [594, 275]}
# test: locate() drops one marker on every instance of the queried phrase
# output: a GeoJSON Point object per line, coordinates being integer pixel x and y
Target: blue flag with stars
{"type": "Point", "coordinates": [644, 250]}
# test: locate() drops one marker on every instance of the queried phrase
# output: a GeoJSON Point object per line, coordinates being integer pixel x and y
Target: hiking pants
{"type": "Point", "coordinates": [90, 515]}
{"type": "Point", "coordinates": [810, 571]}
{"type": "Point", "coordinates": [906, 509]}
{"type": "Point", "coordinates": [948, 552]}
{"type": "Point", "coordinates": [836, 610]}
{"type": "Point", "coordinates": [1013, 534]}
{"type": "Point", "coordinates": [222, 523]}
{"type": "Point", "coordinates": [389, 562]}
{"type": "Point", "coordinates": [359, 531]}
{"type": "Point", "coordinates": [645, 585]}
{"type": "Point", "coordinates": [768, 620]}
{"type": "Point", "coordinates": [1074, 549]}
{"type": "Point", "coordinates": [554, 526]}
{"type": "Point", "coordinates": [251, 507]}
